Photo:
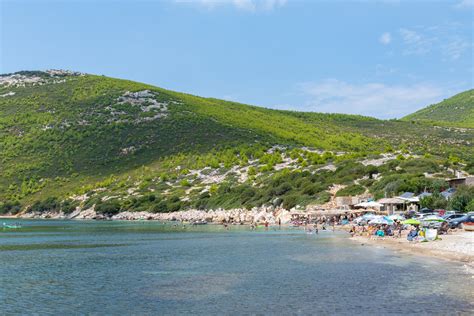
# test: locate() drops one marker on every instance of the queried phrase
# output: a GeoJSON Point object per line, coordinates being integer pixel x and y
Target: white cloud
{"type": "Point", "coordinates": [455, 48]}
{"type": "Point", "coordinates": [463, 4]}
{"type": "Point", "coordinates": [385, 38]}
{"type": "Point", "coordinates": [416, 43]}
{"type": "Point", "coordinates": [372, 99]}
{"type": "Point", "coordinates": [244, 5]}
{"type": "Point", "coordinates": [446, 39]}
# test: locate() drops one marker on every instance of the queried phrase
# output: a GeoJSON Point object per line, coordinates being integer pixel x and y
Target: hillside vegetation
{"type": "Point", "coordinates": [455, 111]}
{"type": "Point", "coordinates": [69, 139]}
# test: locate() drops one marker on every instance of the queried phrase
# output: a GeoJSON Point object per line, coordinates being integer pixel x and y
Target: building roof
{"type": "Point", "coordinates": [424, 194]}
{"type": "Point", "coordinates": [448, 193]}
{"type": "Point", "coordinates": [407, 195]}
{"type": "Point", "coordinates": [391, 201]}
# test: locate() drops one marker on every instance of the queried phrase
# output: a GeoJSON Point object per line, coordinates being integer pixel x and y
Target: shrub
{"type": "Point", "coordinates": [49, 204]}
{"type": "Point", "coordinates": [68, 206]}
{"type": "Point", "coordinates": [323, 197]}
{"type": "Point", "coordinates": [351, 190]}
{"type": "Point", "coordinates": [10, 207]}
{"type": "Point", "coordinates": [462, 199]}
{"type": "Point", "coordinates": [111, 207]}
{"type": "Point", "coordinates": [160, 207]}
{"type": "Point", "coordinates": [185, 183]}
{"type": "Point", "coordinates": [435, 201]}
{"type": "Point", "coordinates": [470, 206]}
{"type": "Point", "coordinates": [290, 201]}
{"type": "Point", "coordinates": [282, 189]}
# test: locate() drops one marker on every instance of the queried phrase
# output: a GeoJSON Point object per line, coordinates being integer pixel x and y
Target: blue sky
{"type": "Point", "coordinates": [383, 58]}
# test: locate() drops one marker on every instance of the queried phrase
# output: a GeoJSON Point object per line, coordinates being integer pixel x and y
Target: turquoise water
{"type": "Point", "coordinates": [144, 268]}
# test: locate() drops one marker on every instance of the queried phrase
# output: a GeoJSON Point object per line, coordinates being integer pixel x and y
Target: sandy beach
{"type": "Point", "coordinates": [458, 245]}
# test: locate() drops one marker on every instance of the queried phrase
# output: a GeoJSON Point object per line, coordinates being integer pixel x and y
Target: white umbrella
{"type": "Point", "coordinates": [381, 220]}
{"type": "Point", "coordinates": [374, 204]}
{"type": "Point", "coordinates": [369, 204]}
{"type": "Point", "coordinates": [369, 216]}
{"type": "Point", "coordinates": [397, 217]}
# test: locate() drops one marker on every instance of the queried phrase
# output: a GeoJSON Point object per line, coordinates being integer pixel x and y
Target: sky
{"type": "Point", "coordinates": [382, 58]}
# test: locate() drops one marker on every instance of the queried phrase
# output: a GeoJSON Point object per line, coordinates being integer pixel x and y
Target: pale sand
{"type": "Point", "coordinates": [457, 246]}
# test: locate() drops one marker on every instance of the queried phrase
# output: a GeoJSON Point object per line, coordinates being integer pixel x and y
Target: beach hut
{"type": "Point", "coordinates": [392, 205]}
{"type": "Point", "coordinates": [454, 183]}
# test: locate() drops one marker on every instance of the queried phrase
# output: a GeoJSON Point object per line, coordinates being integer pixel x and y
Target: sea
{"type": "Point", "coordinates": [59, 267]}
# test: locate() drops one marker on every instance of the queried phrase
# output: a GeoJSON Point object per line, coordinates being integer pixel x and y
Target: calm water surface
{"type": "Point", "coordinates": [73, 267]}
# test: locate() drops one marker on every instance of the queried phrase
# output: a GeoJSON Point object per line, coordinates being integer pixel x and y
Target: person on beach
{"type": "Point", "coordinates": [266, 225]}
{"type": "Point", "coordinates": [279, 222]}
{"type": "Point", "coordinates": [421, 233]}
{"type": "Point", "coordinates": [316, 230]}
{"type": "Point", "coordinates": [352, 231]}
{"type": "Point", "coordinates": [412, 234]}
{"type": "Point", "coordinates": [443, 229]}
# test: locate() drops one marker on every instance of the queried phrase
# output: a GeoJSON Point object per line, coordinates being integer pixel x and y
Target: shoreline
{"type": "Point", "coordinates": [458, 246]}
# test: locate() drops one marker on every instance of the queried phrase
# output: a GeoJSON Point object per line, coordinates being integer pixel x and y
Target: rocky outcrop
{"type": "Point", "coordinates": [238, 216]}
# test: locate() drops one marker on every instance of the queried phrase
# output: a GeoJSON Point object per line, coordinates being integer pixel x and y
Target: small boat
{"type": "Point", "coordinates": [14, 226]}
{"type": "Point", "coordinates": [468, 227]}
{"type": "Point", "coordinates": [203, 222]}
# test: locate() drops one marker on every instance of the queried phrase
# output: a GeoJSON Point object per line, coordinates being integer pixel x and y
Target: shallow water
{"type": "Point", "coordinates": [87, 267]}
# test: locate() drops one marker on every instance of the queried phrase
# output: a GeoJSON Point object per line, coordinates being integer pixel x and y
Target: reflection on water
{"type": "Point", "coordinates": [67, 267]}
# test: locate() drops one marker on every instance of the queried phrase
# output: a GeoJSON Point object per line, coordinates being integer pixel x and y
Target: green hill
{"type": "Point", "coordinates": [455, 111]}
{"type": "Point", "coordinates": [65, 133]}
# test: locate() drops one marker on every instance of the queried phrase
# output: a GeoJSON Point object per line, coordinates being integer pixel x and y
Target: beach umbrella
{"type": "Point", "coordinates": [433, 218]}
{"type": "Point", "coordinates": [411, 221]}
{"type": "Point", "coordinates": [368, 216]}
{"type": "Point", "coordinates": [397, 217]}
{"type": "Point", "coordinates": [369, 204]}
{"type": "Point", "coordinates": [381, 220]}
{"type": "Point", "coordinates": [373, 204]}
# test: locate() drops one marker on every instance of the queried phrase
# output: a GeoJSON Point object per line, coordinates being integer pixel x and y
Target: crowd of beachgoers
{"type": "Point", "coordinates": [431, 235]}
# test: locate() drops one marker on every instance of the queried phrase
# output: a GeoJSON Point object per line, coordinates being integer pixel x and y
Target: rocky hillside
{"type": "Point", "coordinates": [70, 139]}
{"type": "Point", "coordinates": [455, 111]}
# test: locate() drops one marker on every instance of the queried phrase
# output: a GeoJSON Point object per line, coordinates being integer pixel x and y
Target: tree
{"type": "Point", "coordinates": [462, 199]}
{"type": "Point", "coordinates": [434, 201]}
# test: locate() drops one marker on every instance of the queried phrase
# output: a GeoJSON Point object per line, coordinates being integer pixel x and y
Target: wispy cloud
{"type": "Point", "coordinates": [244, 5]}
{"type": "Point", "coordinates": [445, 39]}
{"type": "Point", "coordinates": [385, 38]}
{"type": "Point", "coordinates": [416, 43]}
{"type": "Point", "coordinates": [373, 99]}
{"type": "Point", "coordinates": [464, 4]}
{"type": "Point", "coordinates": [455, 48]}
